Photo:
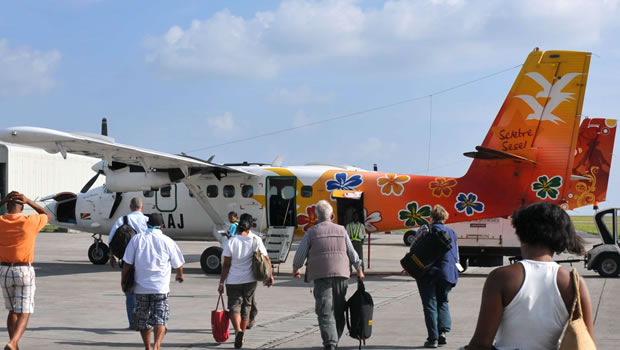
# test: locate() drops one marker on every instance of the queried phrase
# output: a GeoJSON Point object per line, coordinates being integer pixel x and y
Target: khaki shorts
{"type": "Point", "coordinates": [240, 298]}
{"type": "Point", "coordinates": [18, 288]}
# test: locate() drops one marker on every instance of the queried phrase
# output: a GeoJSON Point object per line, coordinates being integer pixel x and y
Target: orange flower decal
{"type": "Point", "coordinates": [442, 187]}
{"type": "Point", "coordinates": [392, 184]}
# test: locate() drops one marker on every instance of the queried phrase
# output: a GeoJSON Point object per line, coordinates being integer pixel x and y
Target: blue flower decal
{"type": "Point", "coordinates": [342, 182]}
{"type": "Point", "coordinates": [468, 203]}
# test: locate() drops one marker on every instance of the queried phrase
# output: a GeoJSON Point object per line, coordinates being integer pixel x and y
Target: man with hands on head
{"type": "Point", "coordinates": [17, 278]}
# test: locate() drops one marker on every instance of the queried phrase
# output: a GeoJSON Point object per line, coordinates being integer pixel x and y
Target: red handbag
{"type": "Point", "coordinates": [220, 321]}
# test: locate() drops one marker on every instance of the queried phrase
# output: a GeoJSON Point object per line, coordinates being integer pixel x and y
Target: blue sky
{"type": "Point", "coordinates": [189, 76]}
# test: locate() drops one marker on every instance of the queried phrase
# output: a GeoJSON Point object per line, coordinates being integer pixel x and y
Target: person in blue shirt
{"type": "Point", "coordinates": [233, 217]}
{"type": "Point", "coordinates": [437, 283]}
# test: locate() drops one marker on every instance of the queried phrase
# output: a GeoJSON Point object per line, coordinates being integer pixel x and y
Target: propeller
{"type": "Point", "coordinates": [90, 182]}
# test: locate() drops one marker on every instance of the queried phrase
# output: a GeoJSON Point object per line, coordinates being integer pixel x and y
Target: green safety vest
{"type": "Point", "coordinates": [355, 235]}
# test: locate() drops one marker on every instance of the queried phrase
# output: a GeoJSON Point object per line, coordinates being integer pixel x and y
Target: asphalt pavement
{"type": "Point", "coordinates": [80, 305]}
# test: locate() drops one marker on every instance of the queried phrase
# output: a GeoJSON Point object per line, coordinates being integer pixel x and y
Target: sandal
{"type": "Point", "coordinates": [239, 340]}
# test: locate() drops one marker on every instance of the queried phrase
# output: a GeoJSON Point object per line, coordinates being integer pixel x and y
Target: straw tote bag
{"type": "Point", "coordinates": [576, 335]}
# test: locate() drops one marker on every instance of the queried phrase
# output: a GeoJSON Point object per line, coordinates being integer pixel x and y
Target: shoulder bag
{"type": "Point", "coordinates": [576, 335]}
{"type": "Point", "coordinates": [260, 265]}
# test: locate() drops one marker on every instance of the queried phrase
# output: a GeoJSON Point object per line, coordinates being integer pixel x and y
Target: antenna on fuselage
{"type": "Point", "coordinates": [104, 126]}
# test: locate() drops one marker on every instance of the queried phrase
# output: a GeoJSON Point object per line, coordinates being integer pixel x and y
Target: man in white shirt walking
{"type": "Point", "coordinates": [137, 221]}
{"type": "Point", "coordinates": [152, 254]}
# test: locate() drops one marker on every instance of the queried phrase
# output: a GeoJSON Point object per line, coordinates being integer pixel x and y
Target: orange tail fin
{"type": "Point", "coordinates": [527, 155]}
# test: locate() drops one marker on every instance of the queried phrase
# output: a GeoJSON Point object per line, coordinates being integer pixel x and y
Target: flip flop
{"type": "Point", "coordinates": [239, 340]}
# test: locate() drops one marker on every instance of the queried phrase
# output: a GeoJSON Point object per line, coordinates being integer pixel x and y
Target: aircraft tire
{"type": "Point", "coordinates": [98, 253]}
{"type": "Point", "coordinates": [211, 260]}
{"type": "Point", "coordinates": [408, 237]}
{"type": "Point", "coordinates": [608, 265]}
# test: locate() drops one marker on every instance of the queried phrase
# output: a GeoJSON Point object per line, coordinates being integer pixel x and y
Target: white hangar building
{"type": "Point", "coordinates": [37, 174]}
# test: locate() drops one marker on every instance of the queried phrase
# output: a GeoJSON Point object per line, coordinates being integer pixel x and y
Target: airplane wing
{"type": "Point", "coordinates": [103, 147]}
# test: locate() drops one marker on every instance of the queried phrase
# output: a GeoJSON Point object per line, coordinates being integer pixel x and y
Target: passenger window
{"type": "Point", "coordinates": [288, 192]}
{"type": "Point", "coordinates": [212, 191]}
{"type": "Point", "coordinates": [306, 191]}
{"type": "Point", "coordinates": [165, 191]}
{"type": "Point", "coordinates": [247, 191]}
{"type": "Point", "coordinates": [148, 194]}
{"type": "Point", "coordinates": [228, 191]}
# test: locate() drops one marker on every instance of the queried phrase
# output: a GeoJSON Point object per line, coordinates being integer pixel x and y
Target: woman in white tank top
{"type": "Point", "coordinates": [525, 306]}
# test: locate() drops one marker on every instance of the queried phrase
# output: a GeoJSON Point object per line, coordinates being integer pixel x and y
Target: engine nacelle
{"type": "Point", "coordinates": [123, 180]}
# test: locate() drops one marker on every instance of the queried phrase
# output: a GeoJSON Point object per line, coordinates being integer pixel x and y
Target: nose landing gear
{"type": "Point", "coordinates": [98, 252]}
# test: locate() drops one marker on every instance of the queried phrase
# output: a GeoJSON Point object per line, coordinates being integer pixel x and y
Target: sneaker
{"type": "Point", "coordinates": [329, 347]}
{"type": "Point", "coordinates": [442, 339]}
{"type": "Point", "coordinates": [239, 340]}
{"type": "Point", "coordinates": [430, 344]}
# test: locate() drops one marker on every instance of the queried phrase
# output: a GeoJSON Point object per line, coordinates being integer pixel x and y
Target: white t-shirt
{"type": "Point", "coordinates": [135, 219]}
{"type": "Point", "coordinates": [152, 254]}
{"type": "Point", "coordinates": [241, 249]}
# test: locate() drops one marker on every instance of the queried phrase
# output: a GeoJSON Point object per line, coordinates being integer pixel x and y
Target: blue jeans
{"type": "Point", "coordinates": [329, 297]}
{"type": "Point", "coordinates": [434, 294]}
{"type": "Point", "coordinates": [130, 303]}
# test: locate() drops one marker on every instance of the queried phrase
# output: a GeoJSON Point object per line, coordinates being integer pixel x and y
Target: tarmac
{"type": "Point", "coordinates": [80, 305]}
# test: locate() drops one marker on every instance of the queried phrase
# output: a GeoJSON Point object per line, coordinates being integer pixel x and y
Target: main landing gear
{"type": "Point", "coordinates": [98, 252]}
{"type": "Point", "coordinates": [211, 260]}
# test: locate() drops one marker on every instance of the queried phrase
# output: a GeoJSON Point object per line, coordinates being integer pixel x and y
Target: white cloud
{"type": "Point", "coordinates": [401, 33]}
{"type": "Point", "coordinates": [300, 96]}
{"type": "Point", "coordinates": [24, 71]}
{"type": "Point", "coordinates": [221, 123]}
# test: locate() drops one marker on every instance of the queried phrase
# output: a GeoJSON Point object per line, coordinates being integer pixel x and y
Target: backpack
{"type": "Point", "coordinates": [426, 251]}
{"type": "Point", "coordinates": [121, 238]}
{"type": "Point", "coordinates": [358, 312]}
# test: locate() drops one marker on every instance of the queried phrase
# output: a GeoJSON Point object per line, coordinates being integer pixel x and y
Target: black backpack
{"type": "Point", "coordinates": [121, 238]}
{"type": "Point", "coordinates": [358, 312]}
{"type": "Point", "coordinates": [426, 251]}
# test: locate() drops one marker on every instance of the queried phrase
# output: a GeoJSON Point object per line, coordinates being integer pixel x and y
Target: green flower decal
{"type": "Point", "coordinates": [547, 188]}
{"type": "Point", "coordinates": [414, 216]}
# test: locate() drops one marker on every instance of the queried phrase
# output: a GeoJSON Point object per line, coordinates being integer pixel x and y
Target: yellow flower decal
{"type": "Point", "coordinates": [392, 184]}
{"type": "Point", "coordinates": [442, 187]}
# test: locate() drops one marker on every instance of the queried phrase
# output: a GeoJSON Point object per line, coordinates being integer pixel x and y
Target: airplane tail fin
{"type": "Point", "coordinates": [528, 153]}
{"type": "Point", "coordinates": [593, 155]}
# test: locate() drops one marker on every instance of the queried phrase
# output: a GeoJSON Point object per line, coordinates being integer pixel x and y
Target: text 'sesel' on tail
{"type": "Point", "coordinates": [528, 154]}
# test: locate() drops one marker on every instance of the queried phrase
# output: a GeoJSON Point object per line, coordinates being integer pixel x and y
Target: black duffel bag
{"type": "Point", "coordinates": [426, 251]}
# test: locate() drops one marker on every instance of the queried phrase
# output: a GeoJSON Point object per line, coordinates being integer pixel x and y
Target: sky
{"type": "Point", "coordinates": [406, 85]}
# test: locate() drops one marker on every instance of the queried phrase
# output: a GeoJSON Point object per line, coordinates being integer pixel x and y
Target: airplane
{"type": "Point", "coordinates": [536, 150]}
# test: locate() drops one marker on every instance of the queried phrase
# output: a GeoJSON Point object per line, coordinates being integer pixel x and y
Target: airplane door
{"type": "Point", "coordinates": [349, 203]}
{"type": "Point", "coordinates": [166, 198]}
{"type": "Point", "coordinates": [281, 203]}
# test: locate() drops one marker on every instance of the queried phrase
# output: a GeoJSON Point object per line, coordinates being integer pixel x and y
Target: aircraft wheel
{"type": "Point", "coordinates": [464, 261]}
{"type": "Point", "coordinates": [98, 253]}
{"type": "Point", "coordinates": [609, 265]}
{"type": "Point", "coordinates": [408, 237]}
{"type": "Point", "coordinates": [211, 260]}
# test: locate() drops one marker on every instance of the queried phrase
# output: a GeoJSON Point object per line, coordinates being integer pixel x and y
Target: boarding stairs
{"type": "Point", "coordinates": [278, 241]}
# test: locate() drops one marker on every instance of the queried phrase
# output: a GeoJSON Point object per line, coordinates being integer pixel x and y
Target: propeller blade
{"type": "Point", "coordinates": [90, 182]}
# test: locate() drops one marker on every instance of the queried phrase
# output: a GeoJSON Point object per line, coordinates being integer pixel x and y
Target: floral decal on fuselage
{"type": "Point", "coordinates": [468, 203]}
{"type": "Point", "coordinates": [547, 188]}
{"type": "Point", "coordinates": [414, 216]}
{"type": "Point", "coordinates": [306, 221]}
{"type": "Point", "coordinates": [371, 219]}
{"type": "Point", "coordinates": [342, 182]}
{"type": "Point", "coordinates": [392, 184]}
{"type": "Point", "coordinates": [442, 187]}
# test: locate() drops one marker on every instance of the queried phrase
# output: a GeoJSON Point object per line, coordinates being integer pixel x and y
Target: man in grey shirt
{"type": "Point", "coordinates": [329, 252]}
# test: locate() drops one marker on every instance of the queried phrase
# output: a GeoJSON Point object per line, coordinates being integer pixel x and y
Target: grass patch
{"type": "Point", "coordinates": [584, 223]}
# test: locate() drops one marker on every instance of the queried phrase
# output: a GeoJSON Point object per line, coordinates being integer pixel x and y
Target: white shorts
{"type": "Point", "coordinates": [18, 288]}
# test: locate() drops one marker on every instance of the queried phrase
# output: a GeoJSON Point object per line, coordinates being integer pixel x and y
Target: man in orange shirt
{"type": "Point", "coordinates": [17, 237]}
